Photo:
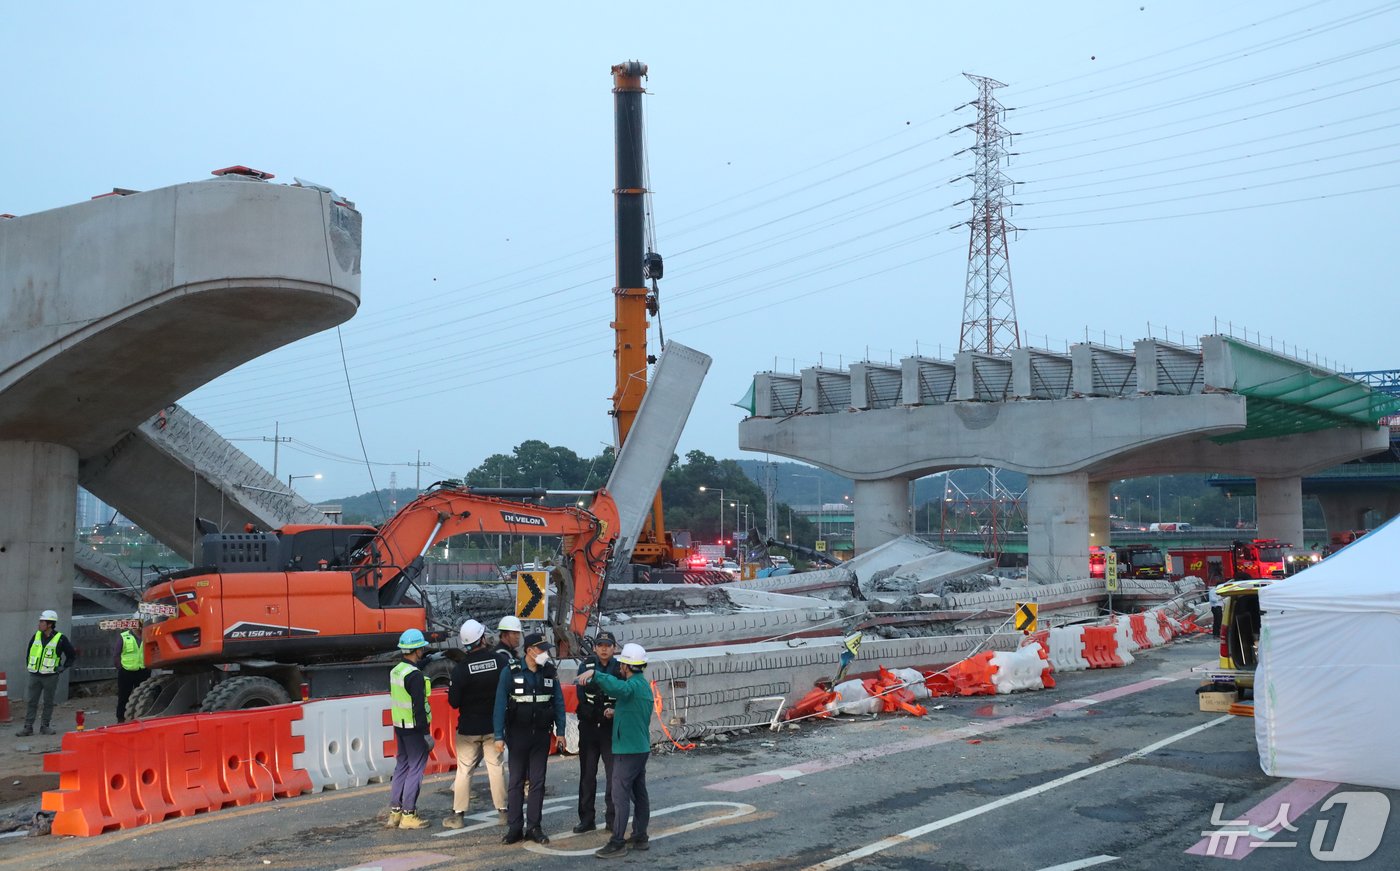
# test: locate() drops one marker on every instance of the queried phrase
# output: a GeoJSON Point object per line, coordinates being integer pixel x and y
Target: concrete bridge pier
{"type": "Point", "coordinates": [881, 512]}
{"type": "Point", "coordinates": [1057, 514]}
{"type": "Point", "coordinates": [38, 507]}
{"type": "Point", "coordinates": [1280, 508]}
{"type": "Point", "coordinates": [1099, 527]}
{"type": "Point", "coordinates": [1347, 510]}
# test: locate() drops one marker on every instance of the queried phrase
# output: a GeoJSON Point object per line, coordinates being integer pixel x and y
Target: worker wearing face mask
{"type": "Point", "coordinates": [529, 706]}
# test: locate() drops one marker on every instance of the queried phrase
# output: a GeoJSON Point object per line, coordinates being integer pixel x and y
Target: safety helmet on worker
{"type": "Point", "coordinates": [472, 632]}
{"type": "Point", "coordinates": [632, 654]}
{"type": "Point", "coordinates": [412, 639]}
{"type": "Point", "coordinates": [50, 615]}
{"type": "Point", "coordinates": [510, 623]}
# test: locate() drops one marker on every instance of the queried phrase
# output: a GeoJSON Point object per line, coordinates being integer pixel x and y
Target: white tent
{"type": "Point", "coordinates": [1327, 689]}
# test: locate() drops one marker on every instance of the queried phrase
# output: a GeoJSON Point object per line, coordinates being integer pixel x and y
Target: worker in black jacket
{"type": "Point", "coordinates": [473, 693]}
{"type": "Point", "coordinates": [595, 728]}
{"type": "Point", "coordinates": [529, 704]}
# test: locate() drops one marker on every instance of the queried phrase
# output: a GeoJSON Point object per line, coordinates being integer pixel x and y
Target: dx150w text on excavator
{"type": "Point", "coordinates": [312, 611]}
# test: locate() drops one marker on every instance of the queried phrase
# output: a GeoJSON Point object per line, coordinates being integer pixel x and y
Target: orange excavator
{"type": "Point", "coordinates": [311, 611]}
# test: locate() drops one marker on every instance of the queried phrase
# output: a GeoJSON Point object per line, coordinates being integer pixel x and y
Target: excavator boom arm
{"type": "Point", "coordinates": [439, 514]}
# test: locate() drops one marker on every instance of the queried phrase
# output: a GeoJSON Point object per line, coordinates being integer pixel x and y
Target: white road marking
{"type": "Point", "coordinates": [737, 809]}
{"type": "Point", "coordinates": [911, 834]}
{"type": "Point", "coordinates": [1081, 863]}
{"type": "Point", "coordinates": [491, 819]}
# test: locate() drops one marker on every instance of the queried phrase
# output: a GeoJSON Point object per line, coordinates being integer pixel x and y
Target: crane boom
{"type": "Point", "coordinates": [634, 265]}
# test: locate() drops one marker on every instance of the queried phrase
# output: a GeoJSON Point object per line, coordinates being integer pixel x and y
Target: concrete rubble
{"type": "Point", "coordinates": [724, 656]}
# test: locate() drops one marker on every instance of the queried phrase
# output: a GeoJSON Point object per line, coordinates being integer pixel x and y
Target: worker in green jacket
{"type": "Point", "coordinates": [631, 745]}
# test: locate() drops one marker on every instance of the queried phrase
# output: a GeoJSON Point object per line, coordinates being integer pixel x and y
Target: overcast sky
{"type": "Point", "coordinates": [1178, 163]}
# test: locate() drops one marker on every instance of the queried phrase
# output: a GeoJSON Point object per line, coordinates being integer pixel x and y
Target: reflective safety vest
{"type": "Point", "coordinates": [43, 658]}
{"type": "Point", "coordinates": [133, 657]}
{"type": "Point", "coordinates": [400, 702]}
{"type": "Point", "coordinates": [527, 707]}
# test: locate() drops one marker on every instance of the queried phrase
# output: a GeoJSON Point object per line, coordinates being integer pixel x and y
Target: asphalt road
{"type": "Point", "coordinates": [1113, 769]}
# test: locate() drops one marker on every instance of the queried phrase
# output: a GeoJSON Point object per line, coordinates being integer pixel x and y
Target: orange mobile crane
{"type": "Point", "coordinates": [636, 264]}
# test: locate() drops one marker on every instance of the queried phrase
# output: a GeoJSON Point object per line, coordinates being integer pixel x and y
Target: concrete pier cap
{"type": "Point", "coordinates": [113, 308]}
{"type": "Point", "coordinates": [1072, 423]}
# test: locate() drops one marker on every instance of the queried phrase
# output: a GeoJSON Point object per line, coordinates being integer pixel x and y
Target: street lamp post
{"type": "Point", "coordinates": [291, 478]}
{"type": "Point", "coordinates": [819, 501]}
{"type": "Point", "coordinates": [704, 489]}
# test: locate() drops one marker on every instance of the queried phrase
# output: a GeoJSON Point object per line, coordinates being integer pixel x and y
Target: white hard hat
{"type": "Point", "coordinates": [510, 623]}
{"type": "Point", "coordinates": [472, 632]}
{"type": "Point", "coordinates": [50, 615]}
{"type": "Point", "coordinates": [632, 654]}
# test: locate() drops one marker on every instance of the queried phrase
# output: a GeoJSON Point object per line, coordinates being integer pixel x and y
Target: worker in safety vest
{"type": "Point", "coordinates": [48, 655]}
{"type": "Point", "coordinates": [631, 747]}
{"type": "Point", "coordinates": [595, 720]}
{"type": "Point", "coordinates": [473, 693]}
{"type": "Point", "coordinates": [131, 666]}
{"type": "Point", "coordinates": [411, 715]}
{"type": "Point", "coordinates": [529, 704]}
{"type": "Point", "coordinates": [508, 633]}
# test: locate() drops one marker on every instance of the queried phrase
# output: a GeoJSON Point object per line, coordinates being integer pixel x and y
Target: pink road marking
{"type": "Point", "coordinates": [401, 863]}
{"type": "Point", "coordinates": [1300, 796]}
{"type": "Point", "coordinates": [971, 730]}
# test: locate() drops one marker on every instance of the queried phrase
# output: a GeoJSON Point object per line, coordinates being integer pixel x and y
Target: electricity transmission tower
{"type": "Point", "coordinates": [989, 308]}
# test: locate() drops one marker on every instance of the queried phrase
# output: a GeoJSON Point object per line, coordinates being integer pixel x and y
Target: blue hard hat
{"type": "Point", "coordinates": [412, 639]}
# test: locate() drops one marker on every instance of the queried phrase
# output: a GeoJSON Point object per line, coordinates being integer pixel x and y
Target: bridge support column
{"type": "Point", "coordinates": [38, 507]}
{"type": "Point", "coordinates": [1098, 513]}
{"type": "Point", "coordinates": [881, 512]}
{"type": "Point", "coordinates": [1281, 509]}
{"type": "Point", "coordinates": [1058, 527]}
{"type": "Point", "coordinates": [1348, 510]}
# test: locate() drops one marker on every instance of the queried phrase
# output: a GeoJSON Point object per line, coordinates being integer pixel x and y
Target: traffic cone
{"type": "Point", "coordinates": [4, 698]}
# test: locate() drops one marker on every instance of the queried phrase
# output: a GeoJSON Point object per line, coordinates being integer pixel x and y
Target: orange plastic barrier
{"type": "Point", "coordinates": [893, 694]}
{"type": "Point", "coordinates": [133, 774]}
{"type": "Point", "coordinates": [571, 698]}
{"type": "Point", "coordinates": [1164, 625]}
{"type": "Point", "coordinates": [1042, 638]}
{"type": "Point", "coordinates": [939, 684]}
{"type": "Point", "coordinates": [971, 677]}
{"type": "Point", "coordinates": [1137, 626]}
{"type": "Point", "coordinates": [1101, 647]}
{"type": "Point", "coordinates": [1046, 676]}
{"type": "Point", "coordinates": [243, 757]}
{"type": "Point", "coordinates": [111, 779]}
{"type": "Point", "coordinates": [813, 704]}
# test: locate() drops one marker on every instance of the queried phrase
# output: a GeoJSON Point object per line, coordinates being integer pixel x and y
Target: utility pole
{"type": "Point", "coordinates": [277, 441]}
{"type": "Point", "coordinates": [418, 465]}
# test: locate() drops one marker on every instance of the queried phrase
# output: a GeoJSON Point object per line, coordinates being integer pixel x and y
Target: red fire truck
{"type": "Point", "coordinates": [1257, 559]}
{"type": "Point", "coordinates": [1134, 561]}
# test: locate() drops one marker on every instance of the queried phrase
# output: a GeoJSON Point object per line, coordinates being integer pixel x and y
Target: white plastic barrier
{"type": "Point", "coordinates": [1126, 644]}
{"type": "Point", "coordinates": [854, 700]}
{"type": "Point", "coordinates": [1067, 649]}
{"type": "Point", "coordinates": [1155, 635]}
{"type": "Point", "coordinates": [913, 681]}
{"type": "Point", "coordinates": [1019, 670]}
{"type": "Point", "coordinates": [344, 742]}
